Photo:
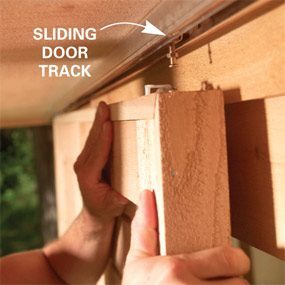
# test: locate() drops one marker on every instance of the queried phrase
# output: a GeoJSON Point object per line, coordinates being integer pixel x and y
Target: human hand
{"type": "Point", "coordinates": [220, 265]}
{"type": "Point", "coordinates": [99, 199]}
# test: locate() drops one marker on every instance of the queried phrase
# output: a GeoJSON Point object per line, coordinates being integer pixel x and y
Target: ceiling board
{"type": "Point", "coordinates": [26, 97]}
{"type": "Point", "coordinates": [29, 99]}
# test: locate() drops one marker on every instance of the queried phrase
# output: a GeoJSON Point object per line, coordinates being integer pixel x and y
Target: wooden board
{"type": "Point", "coordinates": [256, 140]}
{"type": "Point", "coordinates": [228, 57]}
{"type": "Point", "coordinates": [124, 163]}
{"type": "Point", "coordinates": [175, 144]}
{"type": "Point", "coordinates": [255, 136]}
{"type": "Point", "coordinates": [180, 153]}
{"type": "Point", "coordinates": [194, 189]}
{"type": "Point", "coordinates": [245, 58]}
{"type": "Point", "coordinates": [255, 210]}
{"type": "Point", "coordinates": [67, 147]}
{"type": "Point", "coordinates": [42, 98]}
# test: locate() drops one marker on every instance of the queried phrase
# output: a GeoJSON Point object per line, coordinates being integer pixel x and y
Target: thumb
{"type": "Point", "coordinates": [144, 237]}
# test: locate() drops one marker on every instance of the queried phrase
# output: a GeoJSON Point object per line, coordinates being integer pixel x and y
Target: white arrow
{"type": "Point", "coordinates": [149, 28]}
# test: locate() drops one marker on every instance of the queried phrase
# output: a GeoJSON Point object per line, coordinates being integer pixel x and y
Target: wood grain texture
{"type": "Point", "coordinates": [21, 81]}
{"type": "Point", "coordinates": [193, 199]}
{"type": "Point", "coordinates": [67, 146]}
{"type": "Point", "coordinates": [256, 139]}
{"type": "Point", "coordinates": [124, 164]}
{"type": "Point", "coordinates": [141, 108]}
{"type": "Point", "coordinates": [124, 111]}
{"type": "Point", "coordinates": [181, 154]}
{"type": "Point", "coordinates": [228, 59]}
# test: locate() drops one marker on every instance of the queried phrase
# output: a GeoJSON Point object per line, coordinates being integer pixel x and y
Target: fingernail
{"type": "Point", "coordinates": [146, 190]}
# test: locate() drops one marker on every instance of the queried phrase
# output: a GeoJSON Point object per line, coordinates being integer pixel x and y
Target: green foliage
{"type": "Point", "coordinates": [20, 210]}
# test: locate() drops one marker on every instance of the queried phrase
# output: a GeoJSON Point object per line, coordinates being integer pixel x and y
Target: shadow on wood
{"type": "Point", "coordinates": [253, 208]}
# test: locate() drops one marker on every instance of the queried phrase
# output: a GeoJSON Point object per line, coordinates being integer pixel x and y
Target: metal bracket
{"type": "Point", "coordinates": [152, 88]}
{"type": "Point", "coordinates": [172, 53]}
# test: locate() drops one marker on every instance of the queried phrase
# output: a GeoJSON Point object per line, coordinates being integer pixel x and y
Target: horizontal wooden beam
{"type": "Point", "coordinates": [141, 108]}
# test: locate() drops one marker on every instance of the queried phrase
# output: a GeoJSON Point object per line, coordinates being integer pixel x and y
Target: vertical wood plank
{"type": "Point", "coordinates": [193, 201]}
{"type": "Point", "coordinates": [256, 139]}
{"type": "Point", "coordinates": [67, 146]}
{"type": "Point", "coordinates": [123, 160]}
{"type": "Point", "coordinates": [178, 149]}
{"type": "Point", "coordinates": [181, 154]}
